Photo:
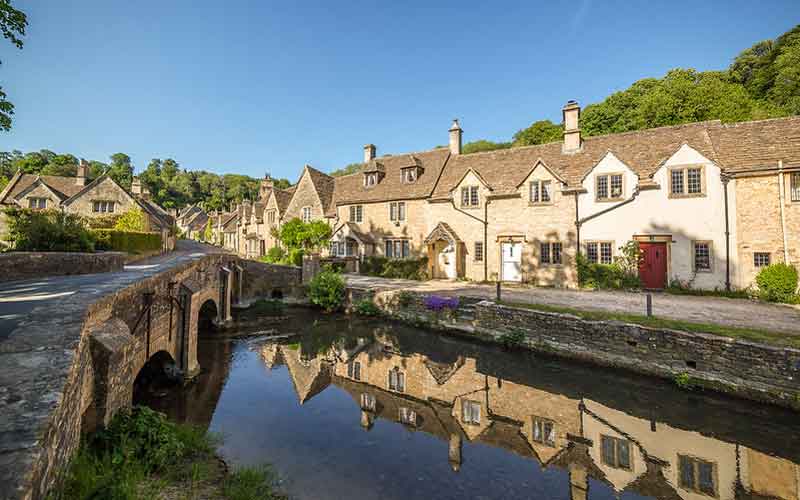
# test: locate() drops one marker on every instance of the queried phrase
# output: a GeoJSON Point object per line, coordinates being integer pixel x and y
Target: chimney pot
{"type": "Point", "coordinates": [369, 153]}
{"type": "Point", "coordinates": [572, 132]}
{"type": "Point", "coordinates": [455, 138]}
{"type": "Point", "coordinates": [136, 186]}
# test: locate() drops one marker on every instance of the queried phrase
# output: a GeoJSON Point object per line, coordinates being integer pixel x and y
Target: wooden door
{"type": "Point", "coordinates": [653, 266]}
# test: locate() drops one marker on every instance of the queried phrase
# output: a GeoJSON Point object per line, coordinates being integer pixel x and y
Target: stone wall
{"type": "Point", "coordinates": [745, 369]}
{"type": "Point", "coordinates": [25, 265]}
{"type": "Point", "coordinates": [263, 280]}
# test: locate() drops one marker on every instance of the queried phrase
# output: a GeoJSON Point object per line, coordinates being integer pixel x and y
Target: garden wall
{"type": "Point", "coordinates": [742, 368]}
{"type": "Point", "coordinates": [26, 265]}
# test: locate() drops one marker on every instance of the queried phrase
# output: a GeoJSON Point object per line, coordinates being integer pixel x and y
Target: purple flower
{"type": "Point", "coordinates": [436, 303]}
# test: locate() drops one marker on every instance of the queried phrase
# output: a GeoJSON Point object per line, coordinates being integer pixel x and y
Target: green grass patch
{"type": "Point", "coordinates": [751, 334]}
{"type": "Point", "coordinates": [269, 307]}
{"type": "Point", "coordinates": [249, 483]}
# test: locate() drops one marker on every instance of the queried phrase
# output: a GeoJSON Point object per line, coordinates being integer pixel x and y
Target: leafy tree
{"type": "Point", "coordinates": [132, 220]}
{"type": "Point", "coordinates": [483, 145]}
{"type": "Point", "coordinates": [12, 23]}
{"type": "Point", "coordinates": [540, 132]}
{"type": "Point", "coordinates": [208, 232]}
{"type": "Point", "coordinates": [296, 234]}
{"type": "Point", "coordinates": [351, 168]}
{"type": "Point", "coordinates": [121, 169]}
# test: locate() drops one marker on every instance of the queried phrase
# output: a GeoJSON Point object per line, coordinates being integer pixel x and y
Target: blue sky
{"type": "Point", "coordinates": [249, 87]}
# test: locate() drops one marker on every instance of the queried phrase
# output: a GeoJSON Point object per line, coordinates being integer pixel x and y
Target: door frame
{"type": "Point", "coordinates": [659, 238]}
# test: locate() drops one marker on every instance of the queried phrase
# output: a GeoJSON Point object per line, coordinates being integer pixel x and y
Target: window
{"type": "Point", "coordinates": [544, 432]}
{"type": "Point", "coordinates": [608, 187]}
{"type": "Point", "coordinates": [550, 253]}
{"type": "Point", "coordinates": [599, 252]}
{"type": "Point", "coordinates": [478, 251]}
{"type": "Point", "coordinates": [397, 380]}
{"type": "Point", "coordinates": [409, 175]}
{"type": "Point", "coordinates": [356, 213]}
{"type": "Point", "coordinates": [367, 402]}
{"type": "Point", "coordinates": [397, 211]}
{"type": "Point", "coordinates": [686, 182]}
{"type": "Point", "coordinates": [407, 416]}
{"type": "Point", "coordinates": [103, 207]}
{"type": "Point", "coordinates": [306, 214]}
{"type": "Point", "coordinates": [397, 249]}
{"type": "Point", "coordinates": [540, 192]}
{"type": "Point", "coordinates": [470, 412]}
{"type": "Point", "coordinates": [354, 370]}
{"type": "Point", "coordinates": [616, 452]}
{"type": "Point", "coordinates": [469, 196]}
{"type": "Point", "coordinates": [370, 179]}
{"type": "Point", "coordinates": [697, 475]}
{"type": "Point", "coordinates": [702, 256]}
{"type": "Point", "coordinates": [271, 217]}
{"type": "Point", "coordinates": [37, 203]}
{"type": "Point", "coordinates": [761, 259]}
{"type": "Point", "coordinates": [794, 186]}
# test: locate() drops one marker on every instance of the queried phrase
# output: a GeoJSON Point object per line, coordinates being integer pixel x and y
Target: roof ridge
{"type": "Point", "coordinates": [775, 119]}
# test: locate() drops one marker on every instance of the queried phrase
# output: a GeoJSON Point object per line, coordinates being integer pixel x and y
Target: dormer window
{"type": "Point", "coordinates": [469, 196]}
{"type": "Point", "coordinates": [409, 175]}
{"type": "Point", "coordinates": [370, 179]}
{"type": "Point", "coordinates": [37, 203]}
{"type": "Point", "coordinates": [608, 187]}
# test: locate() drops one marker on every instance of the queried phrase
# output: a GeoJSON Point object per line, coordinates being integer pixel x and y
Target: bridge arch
{"type": "Point", "coordinates": [208, 316]}
{"type": "Point", "coordinates": [159, 368]}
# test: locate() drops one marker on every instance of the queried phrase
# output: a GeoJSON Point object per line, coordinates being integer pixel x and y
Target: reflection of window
{"type": "Point", "coordinates": [551, 253]}
{"type": "Point", "coordinates": [616, 452]}
{"type": "Point", "coordinates": [103, 207]}
{"type": "Point", "coordinates": [367, 402]}
{"type": "Point", "coordinates": [469, 196]}
{"type": "Point", "coordinates": [397, 249]}
{"type": "Point", "coordinates": [407, 416]}
{"type": "Point", "coordinates": [544, 432]}
{"type": "Point", "coordinates": [761, 259]}
{"type": "Point", "coordinates": [697, 475]}
{"type": "Point", "coordinates": [540, 192]}
{"type": "Point", "coordinates": [702, 256]}
{"type": "Point", "coordinates": [397, 211]}
{"type": "Point", "coordinates": [397, 380]}
{"type": "Point", "coordinates": [37, 203]}
{"type": "Point", "coordinates": [599, 252]}
{"type": "Point", "coordinates": [608, 187]}
{"type": "Point", "coordinates": [356, 213]}
{"type": "Point", "coordinates": [306, 214]}
{"type": "Point", "coordinates": [354, 370]}
{"type": "Point", "coordinates": [470, 412]}
{"type": "Point", "coordinates": [478, 251]}
{"type": "Point", "coordinates": [686, 182]}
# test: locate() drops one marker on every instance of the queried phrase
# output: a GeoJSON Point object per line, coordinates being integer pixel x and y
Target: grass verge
{"type": "Point", "coordinates": [753, 335]}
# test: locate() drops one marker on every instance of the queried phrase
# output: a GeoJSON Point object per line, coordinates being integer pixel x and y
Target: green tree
{"type": "Point", "coordinates": [540, 132]}
{"type": "Point", "coordinates": [351, 168]}
{"type": "Point", "coordinates": [12, 23]}
{"type": "Point", "coordinates": [208, 232]}
{"type": "Point", "coordinates": [132, 220]}
{"type": "Point", "coordinates": [121, 169]}
{"type": "Point", "coordinates": [483, 145]}
{"type": "Point", "coordinates": [296, 234]}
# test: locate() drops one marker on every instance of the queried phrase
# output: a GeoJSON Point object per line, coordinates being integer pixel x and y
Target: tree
{"type": "Point", "coordinates": [208, 232]}
{"type": "Point", "coordinates": [12, 23]}
{"type": "Point", "coordinates": [483, 145]}
{"type": "Point", "coordinates": [351, 168]}
{"type": "Point", "coordinates": [540, 132]}
{"type": "Point", "coordinates": [132, 220]}
{"type": "Point", "coordinates": [121, 169]}
{"type": "Point", "coordinates": [296, 234]}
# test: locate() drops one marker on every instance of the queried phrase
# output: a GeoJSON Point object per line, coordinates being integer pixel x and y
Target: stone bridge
{"type": "Point", "coordinates": [70, 366]}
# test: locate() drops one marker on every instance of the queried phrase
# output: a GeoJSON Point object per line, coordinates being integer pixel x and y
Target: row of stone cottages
{"type": "Point", "coordinates": [709, 203]}
{"type": "Point", "coordinates": [102, 197]}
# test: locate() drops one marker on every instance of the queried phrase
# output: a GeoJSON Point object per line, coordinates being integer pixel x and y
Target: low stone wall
{"type": "Point", "coordinates": [27, 265]}
{"type": "Point", "coordinates": [262, 280]}
{"type": "Point", "coordinates": [745, 369]}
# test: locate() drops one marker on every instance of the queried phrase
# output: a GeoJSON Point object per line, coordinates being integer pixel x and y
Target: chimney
{"type": "Point", "coordinates": [572, 132]}
{"type": "Point", "coordinates": [369, 153]}
{"type": "Point", "coordinates": [266, 186]}
{"type": "Point", "coordinates": [136, 187]}
{"type": "Point", "coordinates": [455, 138]}
{"type": "Point", "coordinates": [83, 168]}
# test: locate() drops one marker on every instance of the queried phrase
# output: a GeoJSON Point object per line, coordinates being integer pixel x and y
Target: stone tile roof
{"type": "Point", "coordinates": [644, 151]}
{"type": "Point", "coordinates": [229, 221]}
{"type": "Point", "coordinates": [165, 220]}
{"type": "Point", "coordinates": [350, 188]}
{"type": "Point", "coordinates": [65, 187]}
{"type": "Point", "coordinates": [757, 144]}
{"type": "Point", "coordinates": [283, 197]}
{"type": "Point", "coordinates": [324, 185]}
{"type": "Point", "coordinates": [258, 208]}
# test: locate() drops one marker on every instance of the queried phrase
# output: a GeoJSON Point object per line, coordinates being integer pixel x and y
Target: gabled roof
{"type": "Point", "coordinates": [162, 218]}
{"type": "Point", "coordinates": [350, 188]}
{"type": "Point", "coordinates": [36, 183]}
{"type": "Point", "coordinates": [757, 144]}
{"type": "Point", "coordinates": [63, 186]}
{"type": "Point", "coordinates": [283, 197]}
{"type": "Point", "coordinates": [93, 184]}
{"type": "Point", "coordinates": [323, 185]}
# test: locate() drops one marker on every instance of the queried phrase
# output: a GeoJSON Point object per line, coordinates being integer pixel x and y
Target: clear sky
{"type": "Point", "coordinates": [255, 86]}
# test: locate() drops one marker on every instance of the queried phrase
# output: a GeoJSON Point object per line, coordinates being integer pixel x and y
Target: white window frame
{"type": "Point", "coordinates": [356, 213]}
{"type": "Point", "coordinates": [470, 412]}
{"type": "Point", "coordinates": [540, 434]}
{"type": "Point", "coordinates": [37, 203]}
{"type": "Point", "coordinates": [409, 175]}
{"type": "Point", "coordinates": [540, 192]}
{"type": "Point", "coordinates": [103, 206]}
{"type": "Point", "coordinates": [470, 196]}
{"type": "Point", "coordinates": [397, 380]}
{"type": "Point", "coordinates": [683, 173]}
{"type": "Point", "coordinates": [407, 416]}
{"type": "Point", "coordinates": [551, 253]}
{"type": "Point", "coordinates": [761, 259]}
{"type": "Point", "coordinates": [306, 211]}
{"type": "Point", "coordinates": [392, 245]}
{"type": "Point", "coordinates": [354, 370]}
{"type": "Point", "coordinates": [710, 267]}
{"type": "Point", "coordinates": [608, 177]}
{"type": "Point", "coordinates": [478, 255]}
{"type": "Point", "coordinates": [397, 211]}
{"type": "Point", "coordinates": [368, 401]}
{"type": "Point", "coordinates": [371, 179]}
{"type": "Point", "coordinates": [598, 246]}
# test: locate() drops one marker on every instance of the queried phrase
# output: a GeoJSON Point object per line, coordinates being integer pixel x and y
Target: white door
{"type": "Point", "coordinates": [512, 261]}
{"type": "Point", "coordinates": [447, 262]}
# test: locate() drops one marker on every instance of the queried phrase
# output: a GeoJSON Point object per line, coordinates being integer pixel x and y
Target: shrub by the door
{"type": "Point", "coordinates": [778, 283]}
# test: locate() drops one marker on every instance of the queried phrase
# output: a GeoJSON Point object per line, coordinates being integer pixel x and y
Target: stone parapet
{"type": "Point", "coordinates": [26, 265]}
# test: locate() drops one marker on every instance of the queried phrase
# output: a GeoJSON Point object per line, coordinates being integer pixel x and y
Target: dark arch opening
{"type": "Point", "coordinates": [277, 293]}
{"type": "Point", "coordinates": [154, 380]}
{"type": "Point", "coordinates": [206, 321]}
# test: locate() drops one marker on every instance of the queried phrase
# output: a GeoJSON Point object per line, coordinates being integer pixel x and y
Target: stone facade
{"type": "Point", "coordinates": [26, 265]}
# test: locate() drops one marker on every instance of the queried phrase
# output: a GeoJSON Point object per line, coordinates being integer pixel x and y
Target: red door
{"type": "Point", "coordinates": [653, 266]}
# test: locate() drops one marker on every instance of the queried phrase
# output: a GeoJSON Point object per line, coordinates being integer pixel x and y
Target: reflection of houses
{"type": "Point", "coordinates": [450, 397]}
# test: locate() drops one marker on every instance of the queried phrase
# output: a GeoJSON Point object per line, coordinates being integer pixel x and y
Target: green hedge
{"type": "Point", "coordinates": [126, 241]}
{"type": "Point", "coordinates": [605, 276]}
{"type": "Point", "coordinates": [410, 269]}
{"type": "Point", "coordinates": [778, 283]}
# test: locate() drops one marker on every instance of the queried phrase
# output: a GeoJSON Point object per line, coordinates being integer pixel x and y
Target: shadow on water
{"type": "Point", "coordinates": [359, 408]}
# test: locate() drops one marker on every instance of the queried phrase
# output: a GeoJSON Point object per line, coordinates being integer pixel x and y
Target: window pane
{"type": "Point", "coordinates": [545, 249]}
{"type": "Point", "coordinates": [677, 181]}
{"type": "Point", "coordinates": [352, 214]}
{"type": "Point", "coordinates": [549, 433]}
{"type": "Point", "coordinates": [605, 253]}
{"type": "Point", "coordinates": [535, 192]}
{"type": "Point", "coordinates": [686, 472]}
{"type": "Point", "coordinates": [556, 254]}
{"type": "Point", "coordinates": [602, 187]}
{"type": "Point", "coordinates": [616, 186]}
{"type": "Point", "coordinates": [761, 259]}
{"type": "Point", "coordinates": [607, 445]}
{"type": "Point", "coordinates": [694, 181]}
{"type": "Point", "coordinates": [479, 251]}
{"type": "Point", "coordinates": [401, 381]}
{"type": "Point", "coordinates": [624, 454]}
{"type": "Point", "coordinates": [545, 191]}
{"type": "Point", "coordinates": [473, 195]}
{"type": "Point", "coordinates": [389, 248]}
{"type": "Point", "coordinates": [591, 252]}
{"type": "Point", "coordinates": [702, 256]}
{"type": "Point", "coordinates": [401, 210]}
{"type": "Point", "coordinates": [392, 211]}
{"type": "Point", "coordinates": [537, 431]}
{"type": "Point", "coordinates": [465, 196]}
{"type": "Point", "coordinates": [795, 186]}
{"type": "Point", "coordinates": [705, 477]}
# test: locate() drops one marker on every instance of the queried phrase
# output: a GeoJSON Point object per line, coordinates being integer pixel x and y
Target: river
{"type": "Point", "coordinates": [360, 408]}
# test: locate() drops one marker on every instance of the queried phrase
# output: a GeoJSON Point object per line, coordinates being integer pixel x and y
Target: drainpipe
{"type": "Point", "coordinates": [485, 232]}
{"type": "Point", "coordinates": [725, 180]}
{"type": "Point", "coordinates": [577, 226]}
{"type": "Point", "coordinates": [781, 198]}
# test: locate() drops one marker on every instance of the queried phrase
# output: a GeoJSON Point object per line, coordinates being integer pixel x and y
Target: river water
{"type": "Point", "coordinates": [355, 408]}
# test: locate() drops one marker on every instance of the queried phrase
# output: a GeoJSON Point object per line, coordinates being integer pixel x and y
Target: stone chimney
{"type": "Point", "coordinates": [455, 138]}
{"type": "Point", "coordinates": [136, 187]}
{"type": "Point", "coordinates": [369, 153]}
{"type": "Point", "coordinates": [572, 132]}
{"type": "Point", "coordinates": [266, 186]}
{"type": "Point", "coordinates": [83, 169]}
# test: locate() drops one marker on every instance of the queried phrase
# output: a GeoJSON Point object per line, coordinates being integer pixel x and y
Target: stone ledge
{"type": "Point", "coordinates": [27, 265]}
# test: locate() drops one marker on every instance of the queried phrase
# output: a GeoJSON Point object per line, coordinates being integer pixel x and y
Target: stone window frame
{"type": "Point", "coordinates": [397, 211]}
{"type": "Point", "coordinates": [37, 201]}
{"type": "Point", "coordinates": [478, 253]}
{"type": "Point", "coordinates": [615, 462]}
{"type": "Point", "coordinates": [470, 196]}
{"type": "Point", "coordinates": [599, 251]}
{"type": "Point", "coordinates": [398, 384]}
{"type": "Point", "coordinates": [551, 260]}
{"type": "Point", "coordinates": [108, 205]}
{"type": "Point", "coordinates": [539, 424]}
{"type": "Point", "coordinates": [354, 370]}
{"type": "Point", "coordinates": [794, 187]}
{"type": "Point", "coordinates": [371, 179]}
{"type": "Point", "coordinates": [608, 197]}
{"type": "Point", "coordinates": [306, 210]}
{"type": "Point", "coordinates": [710, 245]}
{"type": "Point", "coordinates": [407, 416]}
{"type": "Point", "coordinates": [368, 401]}
{"type": "Point", "coordinates": [405, 248]}
{"type": "Point", "coordinates": [684, 169]}
{"type": "Point", "coordinates": [356, 214]}
{"type": "Point", "coordinates": [271, 216]}
{"type": "Point", "coordinates": [762, 259]}
{"type": "Point", "coordinates": [539, 200]}
{"type": "Point", "coordinates": [695, 463]}
{"type": "Point", "coordinates": [470, 412]}
{"type": "Point", "coordinates": [409, 175]}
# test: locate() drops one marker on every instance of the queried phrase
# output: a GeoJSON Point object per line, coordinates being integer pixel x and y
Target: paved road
{"type": "Point", "coordinates": [19, 298]}
{"type": "Point", "coordinates": [714, 310]}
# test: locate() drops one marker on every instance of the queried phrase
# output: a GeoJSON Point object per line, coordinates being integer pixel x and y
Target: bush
{"type": "Point", "coordinates": [327, 290]}
{"type": "Point", "coordinates": [605, 276]}
{"type": "Point", "coordinates": [275, 255]}
{"type": "Point", "coordinates": [126, 241]}
{"type": "Point", "coordinates": [366, 307]}
{"type": "Point", "coordinates": [410, 269]}
{"type": "Point", "coordinates": [47, 231]}
{"type": "Point", "coordinates": [132, 220]}
{"type": "Point", "coordinates": [778, 283]}
{"type": "Point", "coordinates": [295, 257]}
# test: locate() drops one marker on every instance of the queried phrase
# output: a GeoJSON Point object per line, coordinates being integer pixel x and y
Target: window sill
{"type": "Point", "coordinates": [692, 195]}
{"type": "Point", "coordinates": [470, 207]}
{"type": "Point", "coordinates": [540, 204]}
{"type": "Point", "coordinates": [608, 200]}
{"type": "Point", "coordinates": [551, 265]}
{"type": "Point", "coordinates": [704, 271]}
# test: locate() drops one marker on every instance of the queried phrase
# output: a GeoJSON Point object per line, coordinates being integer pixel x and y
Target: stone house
{"type": "Point", "coordinates": [102, 197]}
{"type": "Point", "coordinates": [312, 196]}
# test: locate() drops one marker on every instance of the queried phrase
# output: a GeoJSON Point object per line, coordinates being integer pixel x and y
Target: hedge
{"type": "Point", "coordinates": [410, 269]}
{"type": "Point", "coordinates": [126, 241]}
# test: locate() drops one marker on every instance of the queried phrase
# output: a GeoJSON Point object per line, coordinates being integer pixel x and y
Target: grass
{"type": "Point", "coordinates": [267, 307]}
{"type": "Point", "coordinates": [732, 294]}
{"type": "Point", "coordinates": [142, 455]}
{"type": "Point", "coordinates": [751, 334]}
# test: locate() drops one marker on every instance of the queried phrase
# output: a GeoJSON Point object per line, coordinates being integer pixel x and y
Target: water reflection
{"type": "Point", "coordinates": [590, 433]}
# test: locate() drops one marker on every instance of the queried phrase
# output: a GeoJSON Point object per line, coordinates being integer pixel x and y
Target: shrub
{"type": "Point", "coordinates": [366, 307]}
{"type": "Point", "coordinates": [126, 241]}
{"type": "Point", "coordinates": [778, 283]}
{"type": "Point", "coordinates": [327, 290]}
{"type": "Point", "coordinates": [605, 276]}
{"type": "Point", "coordinates": [410, 269]}
{"type": "Point", "coordinates": [47, 231]}
{"type": "Point", "coordinates": [294, 257]}
{"type": "Point", "coordinates": [132, 220]}
{"type": "Point", "coordinates": [275, 255]}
